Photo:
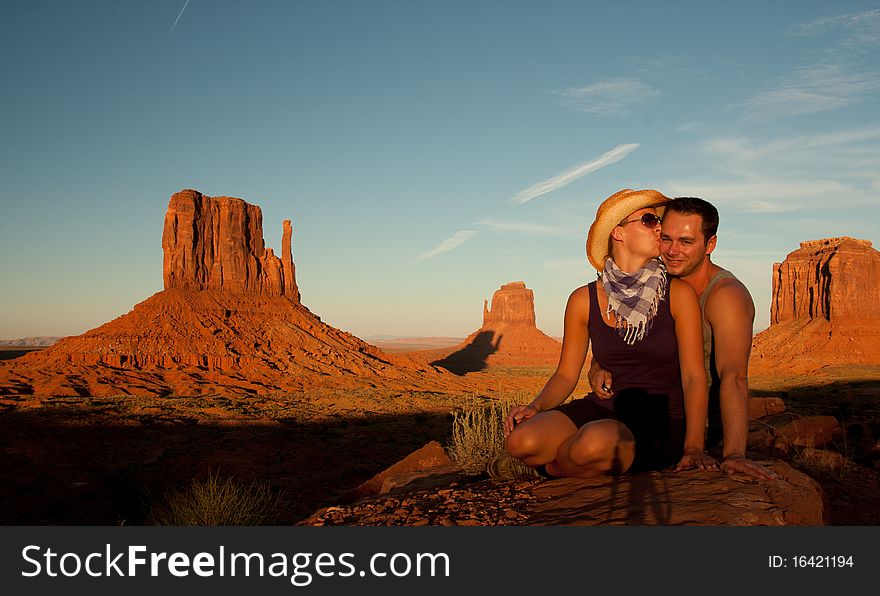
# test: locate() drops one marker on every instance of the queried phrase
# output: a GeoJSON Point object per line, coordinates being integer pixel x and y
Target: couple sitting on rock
{"type": "Point", "coordinates": [670, 340]}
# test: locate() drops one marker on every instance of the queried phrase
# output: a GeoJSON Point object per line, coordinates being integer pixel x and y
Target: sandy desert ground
{"type": "Point", "coordinates": [84, 460]}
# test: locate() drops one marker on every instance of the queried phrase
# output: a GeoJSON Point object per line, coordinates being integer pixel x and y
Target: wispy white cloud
{"type": "Point", "coordinates": [693, 127]}
{"type": "Point", "coordinates": [453, 241]}
{"type": "Point", "coordinates": [846, 154]}
{"type": "Point", "coordinates": [804, 172]}
{"type": "Point", "coordinates": [816, 88]}
{"type": "Point", "coordinates": [750, 151]}
{"type": "Point", "coordinates": [569, 176]}
{"type": "Point", "coordinates": [760, 196]}
{"type": "Point", "coordinates": [662, 65]}
{"type": "Point", "coordinates": [845, 74]}
{"type": "Point", "coordinates": [793, 101]}
{"type": "Point", "coordinates": [859, 29]}
{"type": "Point", "coordinates": [608, 97]}
{"type": "Point", "coordinates": [568, 265]}
{"type": "Point", "coordinates": [528, 228]}
{"type": "Point", "coordinates": [180, 14]}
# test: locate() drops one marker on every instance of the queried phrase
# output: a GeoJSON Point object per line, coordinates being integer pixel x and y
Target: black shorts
{"type": "Point", "coordinates": [659, 437]}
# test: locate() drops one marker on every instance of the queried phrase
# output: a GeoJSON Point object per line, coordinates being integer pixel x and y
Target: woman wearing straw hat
{"type": "Point", "coordinates": [646, 329]}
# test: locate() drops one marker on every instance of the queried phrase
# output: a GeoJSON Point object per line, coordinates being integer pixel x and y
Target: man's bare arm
{"type": "Point", "coordinates": [689, 335]}
{"type": "Point", "coordinates": [731, 313]}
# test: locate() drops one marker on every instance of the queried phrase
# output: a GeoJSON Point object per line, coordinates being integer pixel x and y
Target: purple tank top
{"type": "Point", "coordinates": [649, 366]}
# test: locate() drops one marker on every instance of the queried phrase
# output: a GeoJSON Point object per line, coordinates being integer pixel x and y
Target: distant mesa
{"type": "Point", "coordinates": [512, 304]}
{"type": "Point", "coordinates": [393, 344]}
{"type": "Point", "coordinates": [508, 336]}
{"type": "Point", "coordinates": [15, 348]}
{"type": "Point", "coordinates": [824, 308]}
{"type": "Point", "coordinates": [43, 341]}
{"type": "Point", "coordinates": [229, 321]}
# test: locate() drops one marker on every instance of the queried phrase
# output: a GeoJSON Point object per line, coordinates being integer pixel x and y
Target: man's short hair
{"type": "Point", "coordinates": [697, 206]}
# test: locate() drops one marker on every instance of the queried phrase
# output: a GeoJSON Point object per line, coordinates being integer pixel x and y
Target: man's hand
{"type": "Point", "coordinates": [518, 414]}
{"type": "Point", "coordinates": [600, 381]}
{"type": "Point", "coordinates": [696, 458]}
{"type": "Point", "coordinates": [738, 464]}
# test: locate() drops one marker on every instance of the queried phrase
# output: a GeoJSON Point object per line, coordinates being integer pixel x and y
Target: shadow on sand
{"type": "Point", "coordinates": [68, 466]}
{"type": "Point", "coordinates": [647, 500]}
{"type": "Point", "coordinates": [473, 357]}
{"type": "Point", "coordinates": [843, 399]}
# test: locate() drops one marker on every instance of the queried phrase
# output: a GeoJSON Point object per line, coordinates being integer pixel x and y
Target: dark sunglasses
{"type": "Point", "coordinates": [648, 220]}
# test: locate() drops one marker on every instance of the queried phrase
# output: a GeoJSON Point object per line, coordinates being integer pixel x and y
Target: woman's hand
{"type": "Point", "coordinates": [600, 381]}
{"type": "Point", "coordinates": [518, 414]}
{"type": "Point", "coordinates": [696, 458]}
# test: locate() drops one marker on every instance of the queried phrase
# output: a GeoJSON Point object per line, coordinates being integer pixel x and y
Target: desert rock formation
{"type": "Point", "coordinates": [823, 308]}
{"type": "Point", "coordinates": [508, 336]}
{"type": "Point", "coordinates": [512, 304]}
{"type": "Point", "coordinates": [216, 243]}
{"type": "Point", "coordinates": [835, 279]}
{"type": "Point", "coordinates": [229, 321]}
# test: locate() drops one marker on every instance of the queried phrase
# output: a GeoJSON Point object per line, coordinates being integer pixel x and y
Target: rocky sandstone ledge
{"type": "Point", "coordinates": [427, 488]}
{"type": "Point", "coordinates": [693, 497]}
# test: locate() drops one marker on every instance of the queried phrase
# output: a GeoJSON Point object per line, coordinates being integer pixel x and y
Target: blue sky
{"type": "Point", "coordinates": [426, 152]}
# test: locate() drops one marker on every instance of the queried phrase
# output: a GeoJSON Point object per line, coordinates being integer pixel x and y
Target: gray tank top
{"type": "Point", "coordinates": [708, 346]}
{"type": "Point", "coordinates": [715, 430]}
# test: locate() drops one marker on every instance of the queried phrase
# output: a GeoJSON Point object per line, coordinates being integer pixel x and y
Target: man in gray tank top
{"type": "Point", "coordinates": [687, 239]}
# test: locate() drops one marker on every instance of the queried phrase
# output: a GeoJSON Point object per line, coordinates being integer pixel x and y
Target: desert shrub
{"type": "Point", "coordinates": [216, 501]}
{"type": "Point", "coordinates": [833, 461]}
{"type": "Point", "coordinates": [478, 433]}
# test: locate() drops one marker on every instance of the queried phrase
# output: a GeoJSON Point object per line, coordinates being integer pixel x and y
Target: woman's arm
{"type": "Point", "coordinates": [575, 341]}
{"type": "Point", "coordinates": [689, 334]}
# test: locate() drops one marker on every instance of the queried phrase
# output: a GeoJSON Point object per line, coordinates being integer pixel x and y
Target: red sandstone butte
{"type": "Point", "coordinates": [823, 308]}
{"type": "Point", "coordinates": [216, 243]}
{"type": "Point", "coordinates": [508, 336]}
{"type": "Point", "coordinates": [512, 304]}
{"type": "Point", "coordinates": [229, 321]}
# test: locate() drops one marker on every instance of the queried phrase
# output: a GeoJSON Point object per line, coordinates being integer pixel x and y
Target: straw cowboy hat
{"type": "Point", "coordinates": [614, 210]}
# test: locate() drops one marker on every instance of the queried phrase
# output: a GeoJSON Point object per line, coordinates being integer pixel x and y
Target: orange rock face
{"type": "Point", "coordinates": [823, 308]}
{"type": "Point", "coordinates": [836, 279]}
{"type": "Point", "coordinates": [508, 336]}
{"type": "Point", "coordinates": [513, 304]}
{"type": "Point", "coordinates": [228, 322]}
{"type": "Point", "coordinates": [216, 243]}
{"type": "Point", "coordinates": [288, 269]}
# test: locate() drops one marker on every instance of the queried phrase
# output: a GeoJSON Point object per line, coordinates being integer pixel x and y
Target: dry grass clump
{"type": "Point", "coordinates": [829, 463]}
{"type": "Point", "coordinates": [215, 501]}
{"type": "Point", "coordinates": [478, 432]}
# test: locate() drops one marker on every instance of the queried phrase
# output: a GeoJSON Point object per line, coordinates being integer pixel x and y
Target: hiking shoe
{"type": "Point", "coordinates": [507, 467]}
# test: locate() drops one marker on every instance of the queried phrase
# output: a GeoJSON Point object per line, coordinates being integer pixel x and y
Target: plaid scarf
{"type": "Point", "coordinates": [634, 297]}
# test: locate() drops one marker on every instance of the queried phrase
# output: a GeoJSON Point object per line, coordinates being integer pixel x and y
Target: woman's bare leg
{"type": "Point", "coordinates": [536, 440]}
{"type": "Point", "coordinates": [599, 447]}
